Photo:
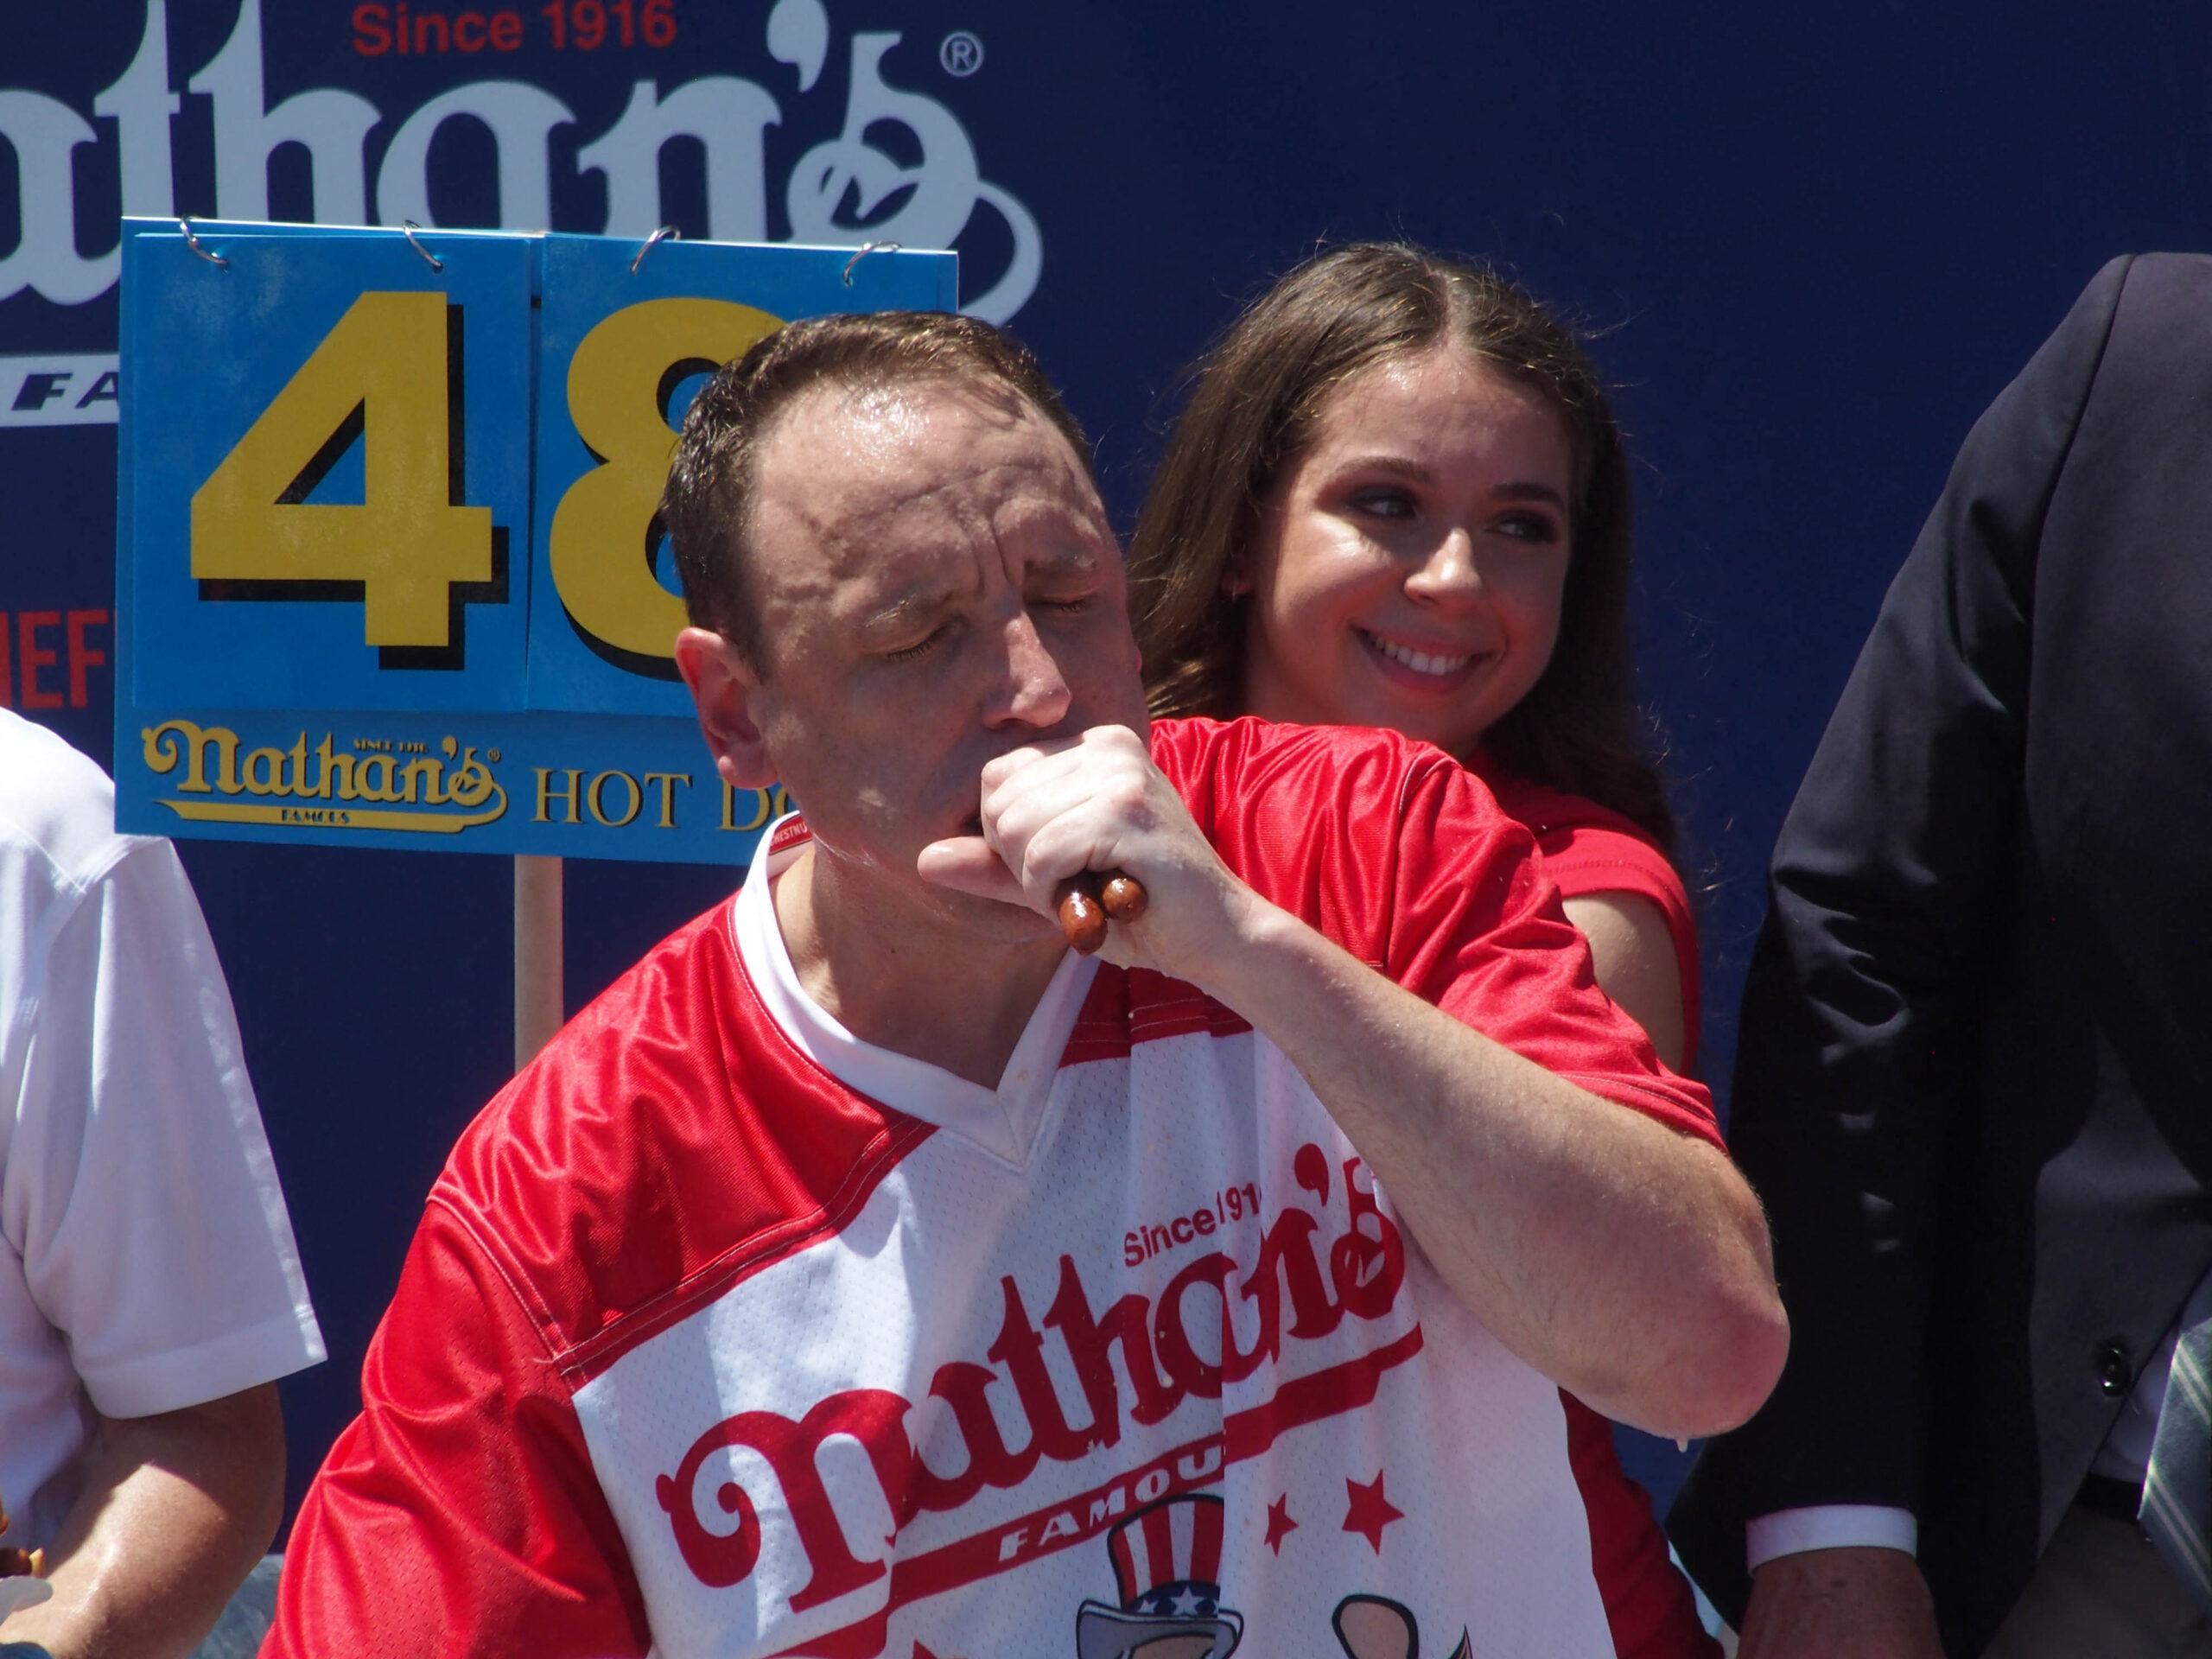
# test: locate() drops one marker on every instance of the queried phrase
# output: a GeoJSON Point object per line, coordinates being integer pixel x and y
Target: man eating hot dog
{"type": "Point", "coordinates": [782, 1305]}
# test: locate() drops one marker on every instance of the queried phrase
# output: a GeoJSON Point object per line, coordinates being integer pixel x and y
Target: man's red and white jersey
{"type": "Point", "coordinates": [726, 1333]}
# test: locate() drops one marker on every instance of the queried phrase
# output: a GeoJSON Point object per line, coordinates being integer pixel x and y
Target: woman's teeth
{"type": "Point", "coordinates": [1419, 661]}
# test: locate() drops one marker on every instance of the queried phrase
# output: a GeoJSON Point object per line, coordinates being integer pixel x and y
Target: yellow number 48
{"type": "Point", "coordinates": [380, 378]}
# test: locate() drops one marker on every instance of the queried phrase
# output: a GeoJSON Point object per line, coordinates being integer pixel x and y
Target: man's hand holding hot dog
{"type": "Point", "coordinates": [1070, 807]}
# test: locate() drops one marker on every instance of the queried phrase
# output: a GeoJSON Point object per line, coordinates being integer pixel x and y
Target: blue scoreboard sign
{"type": "Point", "coordinates": [390, 572]}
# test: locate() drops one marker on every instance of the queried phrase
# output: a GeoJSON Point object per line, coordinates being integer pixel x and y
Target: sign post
{"type": "Point", "coordinates": [539, 1010]}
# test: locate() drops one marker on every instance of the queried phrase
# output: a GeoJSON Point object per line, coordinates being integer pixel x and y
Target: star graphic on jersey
{"type": "Point", "coordinates": [1370, 1511]}
{"type": "Point", "coordinates": [1279, 1525]}
{"type": "Point", "coordinates": [1187, 1604]}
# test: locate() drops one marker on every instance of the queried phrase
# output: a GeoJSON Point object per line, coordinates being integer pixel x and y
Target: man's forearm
{"type": "Point", "coordinates": [177, 1510]}
{"type": "Point", "coordinates": [1626, 1261]}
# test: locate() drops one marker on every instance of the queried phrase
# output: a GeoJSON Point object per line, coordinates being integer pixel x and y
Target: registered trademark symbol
{"type": "Point", "coordinates": [961, 54]}
{"type": "Point", "coordinates": [493, 755]}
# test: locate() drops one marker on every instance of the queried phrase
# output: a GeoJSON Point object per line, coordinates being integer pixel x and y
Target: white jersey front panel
{"type": "Point", "coordinates": [1140, 1356]}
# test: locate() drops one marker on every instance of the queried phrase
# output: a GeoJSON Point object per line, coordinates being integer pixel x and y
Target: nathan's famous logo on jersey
{"type": "Point", "coordinates": [926, 190]}
{"type": "Point", "coordinates": [760, 1469]}
{"type": "Point", "coordinates": [365, 784]}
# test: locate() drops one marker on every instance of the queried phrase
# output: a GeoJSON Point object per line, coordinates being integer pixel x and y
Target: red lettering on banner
{"type": "Point", "coordinates": [1182, 1346]}
{"type": "Point", "coordinates": [371, 35]}
{"type": "Point", "coordinates": [20, 636]}
{"type": "Point", "coordinates": [83, 659]}
{"type": "Point", "coordinates": [29, 626]}
{"type": "Point", "coordinates": [378, 30]}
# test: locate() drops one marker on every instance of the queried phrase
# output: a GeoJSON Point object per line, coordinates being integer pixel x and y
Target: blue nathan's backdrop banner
{"type": "Point", "coordinates": [389, 568]}
{"type": "Point", "coordinates": [1810, 246]}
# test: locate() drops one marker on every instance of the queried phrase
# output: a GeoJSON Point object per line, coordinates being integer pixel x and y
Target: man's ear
{"type": "Point", "coordinates": [724, 687]}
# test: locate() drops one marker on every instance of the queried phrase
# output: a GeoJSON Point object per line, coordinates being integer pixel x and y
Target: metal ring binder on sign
{"type": "Point", "coordinates": [862, 252]}
{"type": "Point", "coordinates": [193, 242]}
{"type": "Point", "coordinates": [666, 233]}
{"type": "Point", "coordinates": [407, 228]}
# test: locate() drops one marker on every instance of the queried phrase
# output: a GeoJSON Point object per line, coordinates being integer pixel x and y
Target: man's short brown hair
{"type": "Point", "coordinates": [708, 505]}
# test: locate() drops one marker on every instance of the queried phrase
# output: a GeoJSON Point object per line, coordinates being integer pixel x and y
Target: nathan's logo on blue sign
{"type": "Point", "coordinates": [366, 785]}
{"type": "Point", "coordinates": [894, 164]}
{"type": "Point", "coordinates": [370, 784]}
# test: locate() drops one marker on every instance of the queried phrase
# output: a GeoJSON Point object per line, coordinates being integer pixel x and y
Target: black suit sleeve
{"type": "Point", "coordinates": [1857, 1031]}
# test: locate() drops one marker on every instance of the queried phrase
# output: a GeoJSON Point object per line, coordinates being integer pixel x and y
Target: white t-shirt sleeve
{"type": "Point", "coordinates": [1828, 1526]}
{"type": "Point", "coordinates": [139, 1188]}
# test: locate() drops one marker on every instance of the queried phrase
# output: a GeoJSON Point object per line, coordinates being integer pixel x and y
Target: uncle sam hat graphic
{"type": "Point", "coordinates": [1167, 1568]}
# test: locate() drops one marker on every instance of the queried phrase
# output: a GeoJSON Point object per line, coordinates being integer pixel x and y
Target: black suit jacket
{"type": "Point", "coordinates": [1972, 1082]}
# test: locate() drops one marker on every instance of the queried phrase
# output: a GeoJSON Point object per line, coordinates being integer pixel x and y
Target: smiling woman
{"type": "Point", "coordinates": [1407, 570]}
{"type": "Point", "coordinates": [1335, 368]}
{"type": "Point", "coordinates": [1398, 497]}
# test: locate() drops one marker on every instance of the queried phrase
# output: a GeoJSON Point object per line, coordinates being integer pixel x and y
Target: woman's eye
{"type": "Point", "coordinates": [1066, 606]}
{"type": "Point", "coordinates": [1528, 527]}
{"type": "Point", "coordinates": [1383, 503]}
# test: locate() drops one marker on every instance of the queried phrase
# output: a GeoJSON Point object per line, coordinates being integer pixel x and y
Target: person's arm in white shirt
{"type": "Point", "coordinates": [139, 1195]}
{"type": "Point", "coordinates": [175, 1509]}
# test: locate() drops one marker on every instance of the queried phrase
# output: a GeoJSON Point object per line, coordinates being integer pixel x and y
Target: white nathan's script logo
{"type": "Point", "coordinates": [728, 117]}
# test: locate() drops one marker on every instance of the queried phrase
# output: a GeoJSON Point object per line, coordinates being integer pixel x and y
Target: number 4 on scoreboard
{"type": "Point", "coordinates": [387, 376]}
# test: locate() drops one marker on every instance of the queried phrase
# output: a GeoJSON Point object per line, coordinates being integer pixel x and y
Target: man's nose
{"type": "Point", "coordinates": [1034, 691]}
{"type": "Point", "coordinates": [1451, 575]}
